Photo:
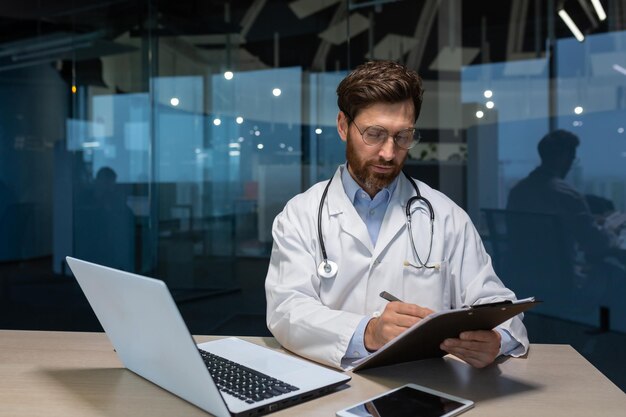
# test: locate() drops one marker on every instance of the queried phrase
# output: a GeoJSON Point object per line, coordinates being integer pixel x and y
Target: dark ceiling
{"type": "Point", "coordinates": [486, 25]}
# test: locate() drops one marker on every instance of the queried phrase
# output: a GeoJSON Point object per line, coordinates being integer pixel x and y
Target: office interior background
{"type": "Point", "coordinates": [162, 137]}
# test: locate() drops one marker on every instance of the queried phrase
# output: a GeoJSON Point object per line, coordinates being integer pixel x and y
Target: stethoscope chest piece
{"type": "Point", "coordinates": [327, 269]}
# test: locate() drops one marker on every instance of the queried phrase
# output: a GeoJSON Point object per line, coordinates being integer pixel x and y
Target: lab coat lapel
{"type": "Point", "coordinates": [350, 222]}
{"type": "Point", "coordinates": [394, 221]}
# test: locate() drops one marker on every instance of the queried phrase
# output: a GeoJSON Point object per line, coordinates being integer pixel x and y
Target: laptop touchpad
{"type": "Point", "coordinates": [260, 358]}
{"type": "Point", "coordinates": [274, 365]}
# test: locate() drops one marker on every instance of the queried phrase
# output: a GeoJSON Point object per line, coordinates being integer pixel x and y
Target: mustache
{"type": "Point", "coordinates": [384, 163]}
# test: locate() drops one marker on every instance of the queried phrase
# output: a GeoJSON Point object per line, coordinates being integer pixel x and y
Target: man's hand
{"type": "Point", "coordinates": [396, 318]}
{"type": "Point", "coordinates": [478, 348]}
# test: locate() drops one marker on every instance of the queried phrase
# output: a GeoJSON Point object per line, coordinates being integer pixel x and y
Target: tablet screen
{"type": "Point", "coordinates": [406, 402]}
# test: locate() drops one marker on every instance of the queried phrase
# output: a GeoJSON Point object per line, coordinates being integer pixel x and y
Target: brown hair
{"type": "Point", "coordinates": [379, 82]}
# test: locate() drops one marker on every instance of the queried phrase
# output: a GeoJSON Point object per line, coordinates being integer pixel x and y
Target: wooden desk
{"type": "Point", "coordinates": [78, 374]}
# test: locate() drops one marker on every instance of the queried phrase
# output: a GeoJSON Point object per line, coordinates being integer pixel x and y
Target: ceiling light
{"type": "Point", "coordinates": [318, 131]}
{"type": "Point", "coordinates": [174, 101]}
{"type": "Point", "coordinates": [619, 69]}
{"type": "Point", "coordinates": [578, 110]}
{"type": "Point", "coordinates": [239, 120]}
{"type": "Point", "coordinates": [599, 9]}
{"type": "Point", "coordinates": [620, 130]}
{"type": "Point", "coordinates": [217, 122]}
{"type": "Point", "coordinates": [259, 146]}
{"type": "Point", "coordinates": [571, 25]}
{"type": "Point", "coordinates": [276, 92]}
{"type": "Point", "coordinates": [480, 114]}
{"type": "Point", "coordinates": [229, 75]}
{"type": "Point", "coordinates": [488, 93]}
{"type": "Point", "coordinates": [489, 104]}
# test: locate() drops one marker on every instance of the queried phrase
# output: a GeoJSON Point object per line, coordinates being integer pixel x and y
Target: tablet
{"type": "Point", "coordinates": [409, 401]}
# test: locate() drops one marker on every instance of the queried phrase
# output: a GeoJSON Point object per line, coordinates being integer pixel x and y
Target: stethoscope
{"type": "Point", "coordinates": [328, 268]}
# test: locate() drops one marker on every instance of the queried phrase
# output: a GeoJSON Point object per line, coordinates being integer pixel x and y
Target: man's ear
{"type": "Point", "coordinates": [342, 125]}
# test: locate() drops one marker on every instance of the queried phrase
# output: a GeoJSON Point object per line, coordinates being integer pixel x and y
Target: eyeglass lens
{"type": "Point", "coordinates": [374, 135]}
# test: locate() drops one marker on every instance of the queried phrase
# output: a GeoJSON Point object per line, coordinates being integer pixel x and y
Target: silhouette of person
{"type": "Point", "coordinates": [104, 225]}
{"type": "Point", "coordinates": [545, 191]}
{"type": "Point", "coordinates": [105, 192]}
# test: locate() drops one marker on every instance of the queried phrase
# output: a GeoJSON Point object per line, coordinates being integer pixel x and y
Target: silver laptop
{"type": "Point", "coordinates": [226, 377]}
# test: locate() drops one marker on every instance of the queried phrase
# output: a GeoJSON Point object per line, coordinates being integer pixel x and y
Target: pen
{"type": "Point", "coordinates": [389, 297]}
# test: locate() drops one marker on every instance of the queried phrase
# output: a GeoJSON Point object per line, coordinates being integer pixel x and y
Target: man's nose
{"type": "Point", "coordinates": [387, 150]}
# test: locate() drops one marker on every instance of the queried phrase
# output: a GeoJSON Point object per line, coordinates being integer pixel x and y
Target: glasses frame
{"type": "Point", "coordinates": [416, 135]}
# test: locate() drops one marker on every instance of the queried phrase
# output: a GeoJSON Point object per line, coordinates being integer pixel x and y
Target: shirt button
{"type": "Point", "coordinates": [356, 354]}
{"type": "Point", "coordinates": [372, 212]}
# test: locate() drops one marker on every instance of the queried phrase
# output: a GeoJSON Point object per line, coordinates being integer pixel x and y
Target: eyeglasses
{"type": "Point", "coordinates": [377, 135]}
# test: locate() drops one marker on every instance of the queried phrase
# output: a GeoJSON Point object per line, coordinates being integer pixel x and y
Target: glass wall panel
{"type": "Point", "coordinates": [591, 104]}
{"type": "Point", "coordinates": [74, 159]}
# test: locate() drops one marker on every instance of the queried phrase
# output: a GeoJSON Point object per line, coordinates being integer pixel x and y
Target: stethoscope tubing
{"type": "Point", "coordinates": [328, 269]}
{"type": "Point", "coordinates": [319, 221]}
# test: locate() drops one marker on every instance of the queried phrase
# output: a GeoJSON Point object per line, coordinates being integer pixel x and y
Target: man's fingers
{"type": "Point", "coordinates": [464, 344]}
{"type": "Point", "coordinates": [491, 347]}
{"type": "Point", "coordinates": [396, 318]}
{"type": "Point", "coordinates": [409, 309]}
{"type": "Point", "coordinates": [392, 330]}
{"type": "Point", "coordinates": [477, 353]}
{"type": "Point", "coordinates": [477, 359]}
{"type": "Point", "coordinates": [480, 335]}
{"type": "Point", "coordinates": [404, 321]}
{"type": "Point", "coordinates": [404, 314]}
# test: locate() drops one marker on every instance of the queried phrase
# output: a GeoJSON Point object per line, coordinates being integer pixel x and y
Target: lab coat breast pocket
{"type": "Point", "coordinates": [428, 287]}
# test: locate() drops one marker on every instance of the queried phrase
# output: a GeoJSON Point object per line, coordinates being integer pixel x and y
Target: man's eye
{"type": "Point", "coordinates": [376, 133]}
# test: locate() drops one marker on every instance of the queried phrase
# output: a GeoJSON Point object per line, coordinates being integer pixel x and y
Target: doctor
{"type": "Point", "coordinates": [338, 245]}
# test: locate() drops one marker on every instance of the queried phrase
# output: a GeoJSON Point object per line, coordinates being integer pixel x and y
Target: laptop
{"type": "Point", "coordinates": [225, 377]}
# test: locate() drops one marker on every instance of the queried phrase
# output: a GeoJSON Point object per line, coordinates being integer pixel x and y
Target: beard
{"type": "Point", "coordinates": [372, 182]}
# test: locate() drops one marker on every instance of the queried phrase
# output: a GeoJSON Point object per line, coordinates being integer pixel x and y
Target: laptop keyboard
{"type": "Point", "coordinates": [241, 382]}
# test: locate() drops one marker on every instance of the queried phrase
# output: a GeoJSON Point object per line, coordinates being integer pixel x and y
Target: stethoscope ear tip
{"type": "Point", "coordinates": [327, 269]}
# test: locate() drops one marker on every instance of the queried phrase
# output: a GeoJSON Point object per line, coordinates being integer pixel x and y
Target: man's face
{"type": "Point", "coordinates": [375, 167]}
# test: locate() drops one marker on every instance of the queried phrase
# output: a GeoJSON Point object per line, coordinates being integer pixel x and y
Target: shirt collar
{"type": "Point", "coordinates": [351, 187]}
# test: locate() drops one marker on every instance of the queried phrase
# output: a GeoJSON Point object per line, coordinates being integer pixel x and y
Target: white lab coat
{"type": "Point", "coordinates": [316, 317]}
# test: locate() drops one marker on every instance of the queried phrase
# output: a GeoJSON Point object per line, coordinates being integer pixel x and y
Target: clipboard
{"type": "Point", "coordinates": [422, 340]}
